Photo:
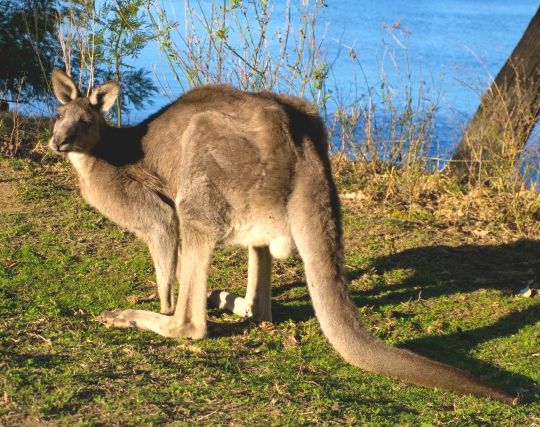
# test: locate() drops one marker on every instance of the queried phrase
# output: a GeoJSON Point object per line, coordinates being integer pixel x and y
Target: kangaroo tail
{"type": "Point", "coordinates": [314, 217]}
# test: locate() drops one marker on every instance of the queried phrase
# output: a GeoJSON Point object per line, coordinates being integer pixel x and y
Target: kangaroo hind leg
{"type": "Point", "coordinates": [189, 319]}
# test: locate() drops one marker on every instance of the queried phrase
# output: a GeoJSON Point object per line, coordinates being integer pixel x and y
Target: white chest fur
{"type": "Point", "coordinates": [79, 161]}
{"type": "Point", "coordinates": [82, 165]}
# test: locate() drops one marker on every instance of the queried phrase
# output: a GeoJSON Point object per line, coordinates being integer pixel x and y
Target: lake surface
{"type": "Point", "coordinates": [452, 46]}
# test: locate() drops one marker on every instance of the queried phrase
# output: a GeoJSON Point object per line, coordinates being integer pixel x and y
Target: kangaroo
{"type": "Point", "coordinates": [222, 166]}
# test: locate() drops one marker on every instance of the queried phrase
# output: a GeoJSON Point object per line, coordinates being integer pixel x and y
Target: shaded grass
{"type": "Point", "coordinates": [423, 284]}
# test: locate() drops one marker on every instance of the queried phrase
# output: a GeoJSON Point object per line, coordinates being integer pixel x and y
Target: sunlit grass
{"type": "Point", "coordinates": [419, 283]}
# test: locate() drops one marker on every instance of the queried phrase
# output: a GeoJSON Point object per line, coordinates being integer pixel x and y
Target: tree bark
{"type": "Point", "coordinates": [507, 114]}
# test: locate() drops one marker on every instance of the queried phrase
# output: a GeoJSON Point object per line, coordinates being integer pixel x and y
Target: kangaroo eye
{"type": "Point", "coordinates": [59, 116]}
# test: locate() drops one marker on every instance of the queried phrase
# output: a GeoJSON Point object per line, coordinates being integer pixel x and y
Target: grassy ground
{"type": "Point", "coordinates": [443, 288]}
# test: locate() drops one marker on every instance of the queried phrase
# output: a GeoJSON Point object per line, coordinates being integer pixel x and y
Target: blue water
{"type": "Point", "coordinates": [454, 47]}
{"type": "Point", "coordinates": [459, 41]}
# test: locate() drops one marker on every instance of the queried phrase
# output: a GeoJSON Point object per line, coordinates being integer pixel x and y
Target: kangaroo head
{"type": "Point", "coordinates": [80, 118]}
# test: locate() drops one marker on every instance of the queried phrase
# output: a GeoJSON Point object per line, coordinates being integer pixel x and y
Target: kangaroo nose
{"type": "Point", "coordinates": [59, 145]}
{"type": "Point", "coordinates": [53, 144]}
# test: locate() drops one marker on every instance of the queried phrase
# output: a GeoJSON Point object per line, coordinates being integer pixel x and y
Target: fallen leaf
{"type": "Point", "coordinates": [266, 326]}
{"type": "Point", "coordinates": [290, 341]}
{"type": "Point", "coordinates": [192, 348]}
{"type": "Point", "coordinates": [479, 233]}
{"type": "Point", "coordinates": [136, 299]}
{"type": "Point", "coordinates": [11, 263]}
{"type": "Point", "coordinates": [41, 338]}
{"type": "Point", "coordinates": [355, 195]}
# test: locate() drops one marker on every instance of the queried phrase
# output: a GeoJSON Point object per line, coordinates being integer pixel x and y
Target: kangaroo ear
{"type": "Point", "coordinates": [104, 96]}
{"type": "Point", "coordinates": [63, 87]}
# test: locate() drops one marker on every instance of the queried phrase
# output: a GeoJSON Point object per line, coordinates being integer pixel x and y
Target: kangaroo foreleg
{"type": "Point", "coordinates": [258, 300]}
{"type": "Point", "coordinates": [227, 301]}
{"type": "Point", "coordinates": [163, 249]}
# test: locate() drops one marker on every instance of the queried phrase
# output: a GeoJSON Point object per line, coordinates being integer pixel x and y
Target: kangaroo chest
{"type": "Point", "coordinates": [83, 166]}
{"type": "Point", "coordinates": [98, 187]}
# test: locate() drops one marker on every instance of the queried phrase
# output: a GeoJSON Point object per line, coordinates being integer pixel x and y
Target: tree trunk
{"type": "Point", "coordinates": [507, 114]}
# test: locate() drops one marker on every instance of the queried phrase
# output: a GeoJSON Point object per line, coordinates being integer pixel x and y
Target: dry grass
{"type": "Point", "coordinates": [414, 195]}
{"type": "Point", "coordinates": [23, 136]}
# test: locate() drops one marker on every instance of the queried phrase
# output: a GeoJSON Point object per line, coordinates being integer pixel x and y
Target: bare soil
{"type": "Point", "coordinates": [9, 199]}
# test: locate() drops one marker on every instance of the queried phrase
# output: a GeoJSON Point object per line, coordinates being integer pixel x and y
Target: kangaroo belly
{"type": "Point", "coordinates": [268, 232]}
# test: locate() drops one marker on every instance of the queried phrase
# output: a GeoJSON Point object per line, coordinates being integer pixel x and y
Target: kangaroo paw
{"type": "Point", "coordinates": [140, 319]}
{"type": "Point", "coordinates": [117, 319]}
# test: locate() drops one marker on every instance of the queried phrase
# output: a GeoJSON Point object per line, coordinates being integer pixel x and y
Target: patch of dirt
{"type": "Point", "coordinates": [9, 200]}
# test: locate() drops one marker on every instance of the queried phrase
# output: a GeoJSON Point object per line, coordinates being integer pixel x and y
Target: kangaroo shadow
{"type": "Point", "coordinates": [444, 270]}
{"type": "Point", "coordinates": [440, 270]}
{"type": "Point", "coordinates": [454, 348]}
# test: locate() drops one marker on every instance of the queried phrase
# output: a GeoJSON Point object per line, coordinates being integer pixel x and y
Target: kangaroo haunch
{"type": "Point", "coordinates": [221, 166]}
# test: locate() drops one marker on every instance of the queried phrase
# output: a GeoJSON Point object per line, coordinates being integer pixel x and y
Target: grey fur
{"type": "Point", "coordinates": [221, 166]}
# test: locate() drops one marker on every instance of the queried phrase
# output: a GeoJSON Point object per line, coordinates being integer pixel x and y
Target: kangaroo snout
{"type": "Point", "coordinates": [60, 145]}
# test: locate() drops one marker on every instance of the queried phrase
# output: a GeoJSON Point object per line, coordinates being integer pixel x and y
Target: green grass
{"type": "Point", "coordinates": [418, 284]}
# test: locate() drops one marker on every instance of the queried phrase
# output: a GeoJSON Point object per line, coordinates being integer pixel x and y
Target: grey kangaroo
{"type": "Point", "coordinates": [222, 166]}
